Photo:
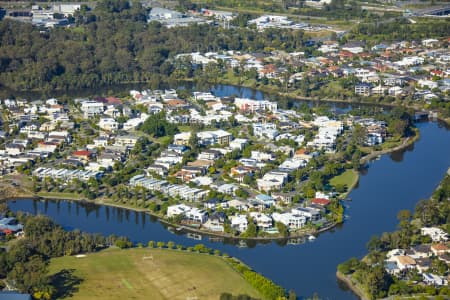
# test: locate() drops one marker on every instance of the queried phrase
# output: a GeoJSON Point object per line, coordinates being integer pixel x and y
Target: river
{"type": "Point", "coordinates": [394, 182]}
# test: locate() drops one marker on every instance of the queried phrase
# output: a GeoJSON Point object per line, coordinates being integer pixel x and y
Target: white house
{"type": "Point", "coordinates": [436, 234]}
{"type": "Point", "coordinates": [292, 221]}
{"type": "Point", "coordinates": [238, 144]}
{"type": "Point", "coordinates": [263, 221]}
{"type": "Point", "coordinates": [424, 83]}
{"type": "Point", "coordinates": [175, 210]}
{"type": "Point", "coordinates": [308, 212]}
{"type": "Point", "coordinates": [262, 130]}
{"type": "Point", "coordinates": [239, 222]}
{"type": "Point", "coordinates": [246, 104]}
{"type": "Point", "coordinates": [219, 136]}
{"type": "Point", "coordinates": [432, 279]}
{"type": "Point", "coordinates": [271, 181]}
{"type": "Point", "coordinates": [108, 124]}
{"type": "Point", "coordinates": [190, 213]}
{"type": "Point", "coordinates": [405, 262]}
{"type": "Point", "coordinates": [126, 140]}
{"type": "Point", "coordinates": [92, 108]}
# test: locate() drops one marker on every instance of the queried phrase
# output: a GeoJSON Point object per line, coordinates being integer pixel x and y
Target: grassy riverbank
{"type": "Point", "coordinates": [349, 179]}
{"type": "Point", "coordinates": [143, 273]}
{"type": "Point", "coordinates": [352, 285]}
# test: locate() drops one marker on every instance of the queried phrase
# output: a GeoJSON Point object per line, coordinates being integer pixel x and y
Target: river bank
{"type": "Point", "coordinates": [408, 141]}
{"type": "Point", "coordinates": [348, 282]}
{"type": "Point", "coordinates": [303, 233]}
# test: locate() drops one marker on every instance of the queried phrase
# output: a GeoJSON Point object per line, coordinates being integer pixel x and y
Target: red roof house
{"type": "Point", "coordinates": [320, 201]}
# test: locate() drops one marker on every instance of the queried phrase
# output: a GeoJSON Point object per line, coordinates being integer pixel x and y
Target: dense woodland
{"type": "Point", "coordinates": [400, 29]}
{"type": "Point", "coordinates": [114, 44]}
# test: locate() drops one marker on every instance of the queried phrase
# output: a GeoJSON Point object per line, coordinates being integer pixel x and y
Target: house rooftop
{"type": "Point", "coordinates": [406, 260]}
{"type": "Point", "coordinates": [440, 247]}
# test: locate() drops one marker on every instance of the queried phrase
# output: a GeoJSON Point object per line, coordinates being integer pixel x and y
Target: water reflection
{"type": "Point", "coordinates": [398, 156]}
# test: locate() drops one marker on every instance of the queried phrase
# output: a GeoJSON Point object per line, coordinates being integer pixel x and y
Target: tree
{"type": "Point", "coordinates": [377, 282]}
{"type": "Point", "coordinates": [30, 276]}
{"type": "Point", "coordinates": [374, 244]}
{"type": "Point", "coordinates": [356, 157]}
{"type": "Point", "coordinates": [398, 127]}
{"type": "Point", "coordinates": [359, 134]}
{"type": "Point", "coordinates": [158, 126]}
{"type": "Point", "coordinates": [247, 179]}
{"type": "Point", "coordinates": [282, 229]}
{"type": "Point", "coordinates": [251, 229]}
{"type": "Point", "coordinates": [170, 245]}
{"type": "Point", "coordinates": [404, 215]}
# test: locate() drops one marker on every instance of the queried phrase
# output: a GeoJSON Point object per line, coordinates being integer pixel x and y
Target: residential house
{"type": "Point", "coordinates": [215, 222]}
{"type": "Point", "coordinates": [291, 220]}
{"type": "Point", "coordinates": [237, 204]}
{"type": "Point", "coordinates": [263, 221]}
{"type": "Point", "coordinates": [209, 155]}
{"type": "Point", "coordinates": [128, 141]}
{"type": "Point", "coordinates": [272, 181]}
{"type": "Point", "coordinates": [92, 108]}
{"type": "Point", "coordinates": [432, 279]}
{"type": "Point", "coordinates": [436, 234]}
{"type": "Point", "coordinates": [353, 47]}
{"type": "Point", "coordinates": [245, 104]}
{"type": "Point", "coordinates": [321, 202]}
{"type": "Point", "coordinates": [214, 137]}
{"type": "Point", "coordinates": [311, 214]}
{"type": "Point", "coordinates": [285, 198]}
{"type": "Point", "coordinates": [264, 200]}
{"type": "Point", "coordinates": [363, 89]}
{"type": "Point", "coordinates": [84, 155]}
{"type": "Point", "coordinates": [158, 169]}
{"type": "Point", "coordinates": [175, 210]}
{"type": "Point", "coordinates": [108, 124]}
{"type": "Point", "coordinates": [239, 222]}
{"type": "Point", "coordinates": [182, 138]}
{"type": "Point", "coordinates": [265, 130]}
{"type": "Point", "coordinates": [421, 251]}
{"type": "Point", "coordinates": [101, 141]}
{"type": "Point", "coordinates": [14, 149]}
{"type": "Point", "coordinates": [238, 144]}
{"type": "Point", "coordinates": [180, 149]}
{"type": "Point", "coordinates": [405, 262]}
{"type": "Point", "coordinates": [423, 264]}
{"type": "Point", "coordinates": [439, 249]}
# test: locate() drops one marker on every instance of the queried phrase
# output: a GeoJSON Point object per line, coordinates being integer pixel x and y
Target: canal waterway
{"type": "Point", "coordinates": [395, 181]}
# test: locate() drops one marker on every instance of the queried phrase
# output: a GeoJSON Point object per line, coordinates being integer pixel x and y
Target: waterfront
{"type": "Point", "coordinates": [396, 181]}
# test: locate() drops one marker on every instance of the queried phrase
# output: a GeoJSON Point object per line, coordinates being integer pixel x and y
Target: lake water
{"type": "Point", "coordinates": [394, 182]}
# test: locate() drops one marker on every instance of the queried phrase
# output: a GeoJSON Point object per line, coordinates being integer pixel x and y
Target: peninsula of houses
{"type": "Point", "coordinates": [236, 166]}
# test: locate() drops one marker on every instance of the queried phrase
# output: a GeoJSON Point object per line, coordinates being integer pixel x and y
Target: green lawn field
{"type": "Point", "coordinates": [348, 178]}
{"type": "Point", "coordinates": [143, 273]}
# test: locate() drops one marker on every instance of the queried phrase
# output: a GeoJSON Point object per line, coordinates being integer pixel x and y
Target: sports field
{"type": "Point", "coordinates": [147, 274]}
